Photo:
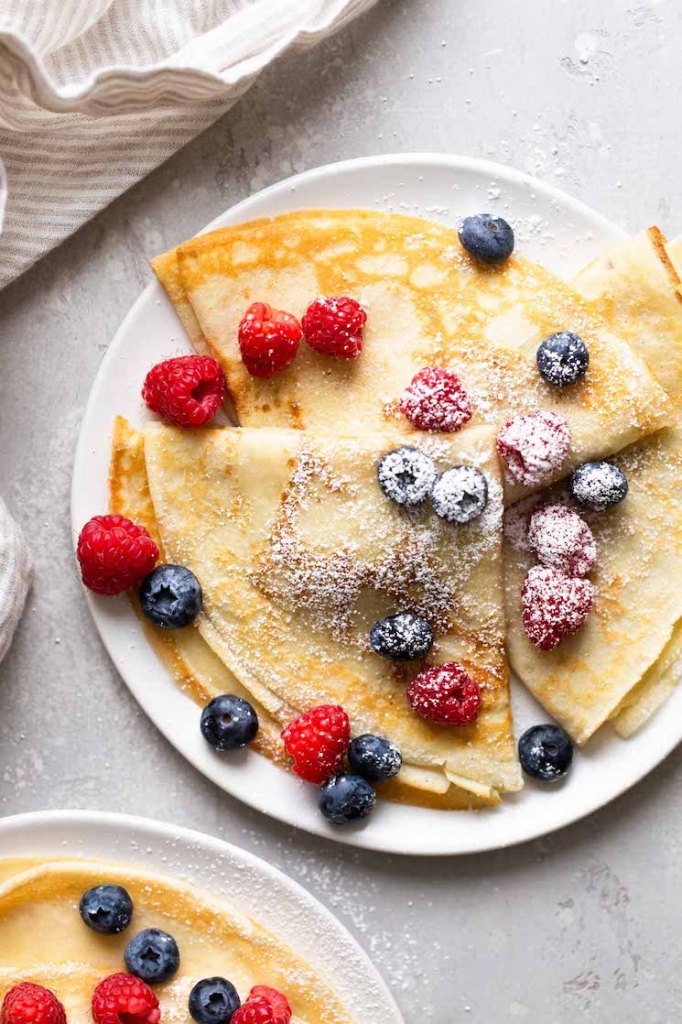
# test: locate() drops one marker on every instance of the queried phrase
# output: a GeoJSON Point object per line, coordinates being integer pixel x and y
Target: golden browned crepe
{"type": "Point", "coordinates": [43, 939]}
{"type": "Point", "coordinates": [428, 303]}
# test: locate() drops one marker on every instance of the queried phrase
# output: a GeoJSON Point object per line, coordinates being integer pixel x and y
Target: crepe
{"type": "Point", "coordinates": [428, 303]}
{"type": "Point", "coordinates": [42, 939]}
{"type": "Point", "coordinates": [627, 659]}
{"type": "Point", "coordinates": [298, 553]}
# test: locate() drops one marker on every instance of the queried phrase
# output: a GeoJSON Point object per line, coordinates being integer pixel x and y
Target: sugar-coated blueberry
{"type": "Point", "coordinates": [489, 239]}
{"type": "Point", "coordinates": [170, 596]}
{"type": "Point", "coordinates": [213, 1001]}
{"type": "Point", "coordinates": [107, 909]}
{"type": "Point", "coordinates": [406, 475]}
{"type": "Point", "coordinates": [346, 798]}
{"type": "Point", "coordinates": [374, 757]}
{"type": "Point", "coordinates": [562, 359]}
{"type": "Point", "coordinates": [460, 494]}
{"type": "Point", "coordinates": [401, 637]}
{"type": "Point", "coordinates": [598, 486]}
{"type": "Point", "coordinates": [546, 752]}
{"type": "Point", "coordinates": [228, 722]}
{"type": "Point", "coordinates": [152, 955]}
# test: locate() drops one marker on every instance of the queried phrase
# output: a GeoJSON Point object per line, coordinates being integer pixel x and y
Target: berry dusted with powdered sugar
{"type": "Point", "coordinates": [402, 637]}
{"type": "Point", "coordinates": [562, 540]}
{"type": "Point", "coordinates": [187, 390]}
{"type": "Point", "coordinates": [445, 694]}
{"type": "Point", "coordinates": [598, 486]}
{"type": "Point", "coordinates": [436, 400]}
{"type": "Point", "coordinates": [406, 476]}
{"type": "Point", "coordinates": [229, 722]}
{"type": "Point", "coordinates": [534, 445]}
{"type": "Point", "coordinates": [268, 340]}
{"type": "Point", "coordinates": [486, 238]}
{"type": "Point", "coordinates": [460, 494]}
{"type": "Point", "coordinates": [562, 359]}
{"type": "Point", "coordinates": [152, 955]}
{"type": "Point", "coordinates": [546, 752]}
{"type": "Point", "coordinates": [213, 1001]}
{"type": "Point", "coordinates": [28, 1003]}
{"type": "Point", "coordinates": [264, 1005]}
{"type": "Point", "coordinates": [107, 909]}
{"type": "Point", "coordinates": [333, 326]}
{"type": "Point", "coordinates": [124, 997]}
{"type": "Point", "coordinates": [317, 741]}
{"type": "Point", "coordinates": [346, 798]}
{"type": "Point", "coordinates": [554, 606]}
{"type": "Point", "coordinates": [374, 757]}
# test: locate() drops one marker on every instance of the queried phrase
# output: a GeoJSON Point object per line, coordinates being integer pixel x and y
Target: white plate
{"type": "Point", "coordinates": [551, 228]}
{"type": "Point", "coordinates": [263, 892]}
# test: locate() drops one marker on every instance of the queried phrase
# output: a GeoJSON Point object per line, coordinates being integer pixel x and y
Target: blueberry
{"type": "Point", "coordinates": [346, 798]}
{"type": "Point", "coordinates": [598, 486]}
{"type": "Point", "coordinates": [228, 722]}
{"type": "Point", "coordinates": [374, 757]}
{"type": "Point", "coordinates": [152, 955]}
{"type": "Point", "coordinates": [460, 494]}
{"type": "Point", "coordinates": [170, 596]}
{"type": "Point", "coordinates": [401, 637]}
{"type": "Point", "coordinates": [107, 909]}
{"type": "Point", "coordinates": [406, 476]}
{"type": "Point", "coordinates": [546, 752]}
{"type": "Point", "coordinates": [562, 359]}
{"type": "Point", "coordinates": [213, 1001]}
{"type": "Point", "coordinates": [489, 239]}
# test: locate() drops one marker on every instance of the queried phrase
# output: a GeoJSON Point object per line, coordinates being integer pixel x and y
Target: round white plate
{"type": "Point", "coordinates": [262, 893]}
{"type": "Point", "coordinates": [551, 228]}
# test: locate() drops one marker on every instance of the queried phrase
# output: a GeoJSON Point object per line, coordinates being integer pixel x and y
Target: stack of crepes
{"type": "Point", "coordinates": [298, 551]}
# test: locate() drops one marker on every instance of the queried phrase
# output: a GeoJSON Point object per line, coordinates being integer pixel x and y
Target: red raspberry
{"type": "Point", "coordinates": [28, 1003]}
{"type": "Point", "coordinates": [187, 391]}
{"type": "Point", "coordinates": [124, 999]}
{"type": "Point", "coordinates": [264, 1006]}
{"type": "Point", "coordinates": [554, 606]}
{"type": "Point", "coordinates": [562, 540]}
{"type": "Point", "coordinates": [268, 339]}
{"type": "Point", "coordinates": [445, 694]}
{"type": "Point", "coordinates": [114, 554]}
{"type": "Point", "coordinates": [436, 400]}
{"type": "Point", "coordinates": [534, 446]}
{"type": "Point", "coordinates": [317, 741]}
{"type": "Point", "coordinates": [334, 325]}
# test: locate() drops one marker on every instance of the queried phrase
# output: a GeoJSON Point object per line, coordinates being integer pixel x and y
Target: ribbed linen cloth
{"type": "Point", "coordinates": [96, 93]}
{"type": "Point", "coordinates": [15, 577]}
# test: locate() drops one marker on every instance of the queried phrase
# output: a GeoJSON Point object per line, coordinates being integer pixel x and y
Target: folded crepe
{"type": "Point", "coordinates": [428, 304]}
{"type": "Point", "coordinates": [43, 940]}
{"type": "Point", "coordinates": [628, 658]}
{"type": "Point", "coordinates": [299, 552]}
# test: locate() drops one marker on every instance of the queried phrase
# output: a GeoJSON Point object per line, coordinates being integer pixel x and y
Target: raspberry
{"type": "Point", "coordinates": [445, 694]}
{"type": "Point", "coordinates": [264, 1006]}
{"type": "Point", "coordinates": [268, 339]}
{"type": "Point", "coordinates": [562, 540]}
{"type": "Point", "coordinates": [534, 446]}
{"type": "Point", "coordinates": [436, 400]}
{"type": "Point", "coordinates": [317, 741]}
{"type": "Point", "coordinates": [124, 999]}
{"type": "Point", "coordinates": [28, 1003]}
{"type": "Point", "coordinates": [554, 606]}
{"type": "Point", "coordinates": [186, 391]}
{"type": "Point", "coordinates": [114, 554]}
{"type": "Point", "coordinates": [333, 326]}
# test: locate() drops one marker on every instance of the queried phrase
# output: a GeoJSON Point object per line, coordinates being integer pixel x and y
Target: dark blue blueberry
{"type": "Point", "coordinates": [489, 239]}
{"type": "Point", "coordinates": [170, 596]}
{"type": "Point", "coordinates": [460, 494]}
{"type": "Point", "coordinates": [546, 752]}
{"type": "Point", "coordinates": [562, 359]}
{"type": "Point", "coordinates": [406, 476]}
{"type": "Point", "coordinates": [598, 486]}
{"type": "Point", "coordinates": [346, 798]}
{"type": "Point", "coordinates": [107, 909]}
{"type": "Point", "coordinates": [152, 955]}
{"type": "Point", "coordinates": [228, 722]}
{"type": "Point", "coordinates": [213, 1001]}
{"type": "Point", "coordinates": [374, 757]}
{"type": "Point", "coordinates": [401, 637]}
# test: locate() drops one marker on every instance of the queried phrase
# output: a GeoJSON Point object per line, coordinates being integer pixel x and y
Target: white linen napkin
{"type": "Point", "coordinates": [96, 93]}
{"type": "Point", "coordinates": [15, 577]}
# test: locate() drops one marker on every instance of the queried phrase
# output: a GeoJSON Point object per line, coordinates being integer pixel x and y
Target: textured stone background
{"type": "Point", "coordinates": [586, 94]}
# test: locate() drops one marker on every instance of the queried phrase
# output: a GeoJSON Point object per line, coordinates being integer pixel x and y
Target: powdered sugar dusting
{"type": "Point", "coordinates": [534, 446]}
{"type": "Point", "coordinates": [562, 540]}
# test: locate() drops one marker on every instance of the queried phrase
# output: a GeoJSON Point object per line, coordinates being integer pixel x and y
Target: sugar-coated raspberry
{"type": "Point", "coordinates": [554, 606]}
{"type": "Point", "coordinates": [445, 694]}
{"type": "Point", "coordinates": [534, 446]}
{"type": "Point", "coordinates": [562, 540]}
{"type": "Point", "coordinates": [334, 325]}
{"type": "Point", "coordinates": [114, 554]}
{"type": "Point", "coordinates": [187, 390]}
{"type": "Point", "coordinates": [124, 999]}
{"type": "Point", "coordinates": [268, 339]}
{"type": "Point", "coordinates": [317, 741]}
{"type": "Point", "coordinates": [28, 1003]}
{"type": "Point", "coordinates": [436, 400]}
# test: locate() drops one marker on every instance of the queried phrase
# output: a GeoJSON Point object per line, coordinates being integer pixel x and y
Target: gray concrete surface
{"type": "Point", "coordinates": [587, 95]}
